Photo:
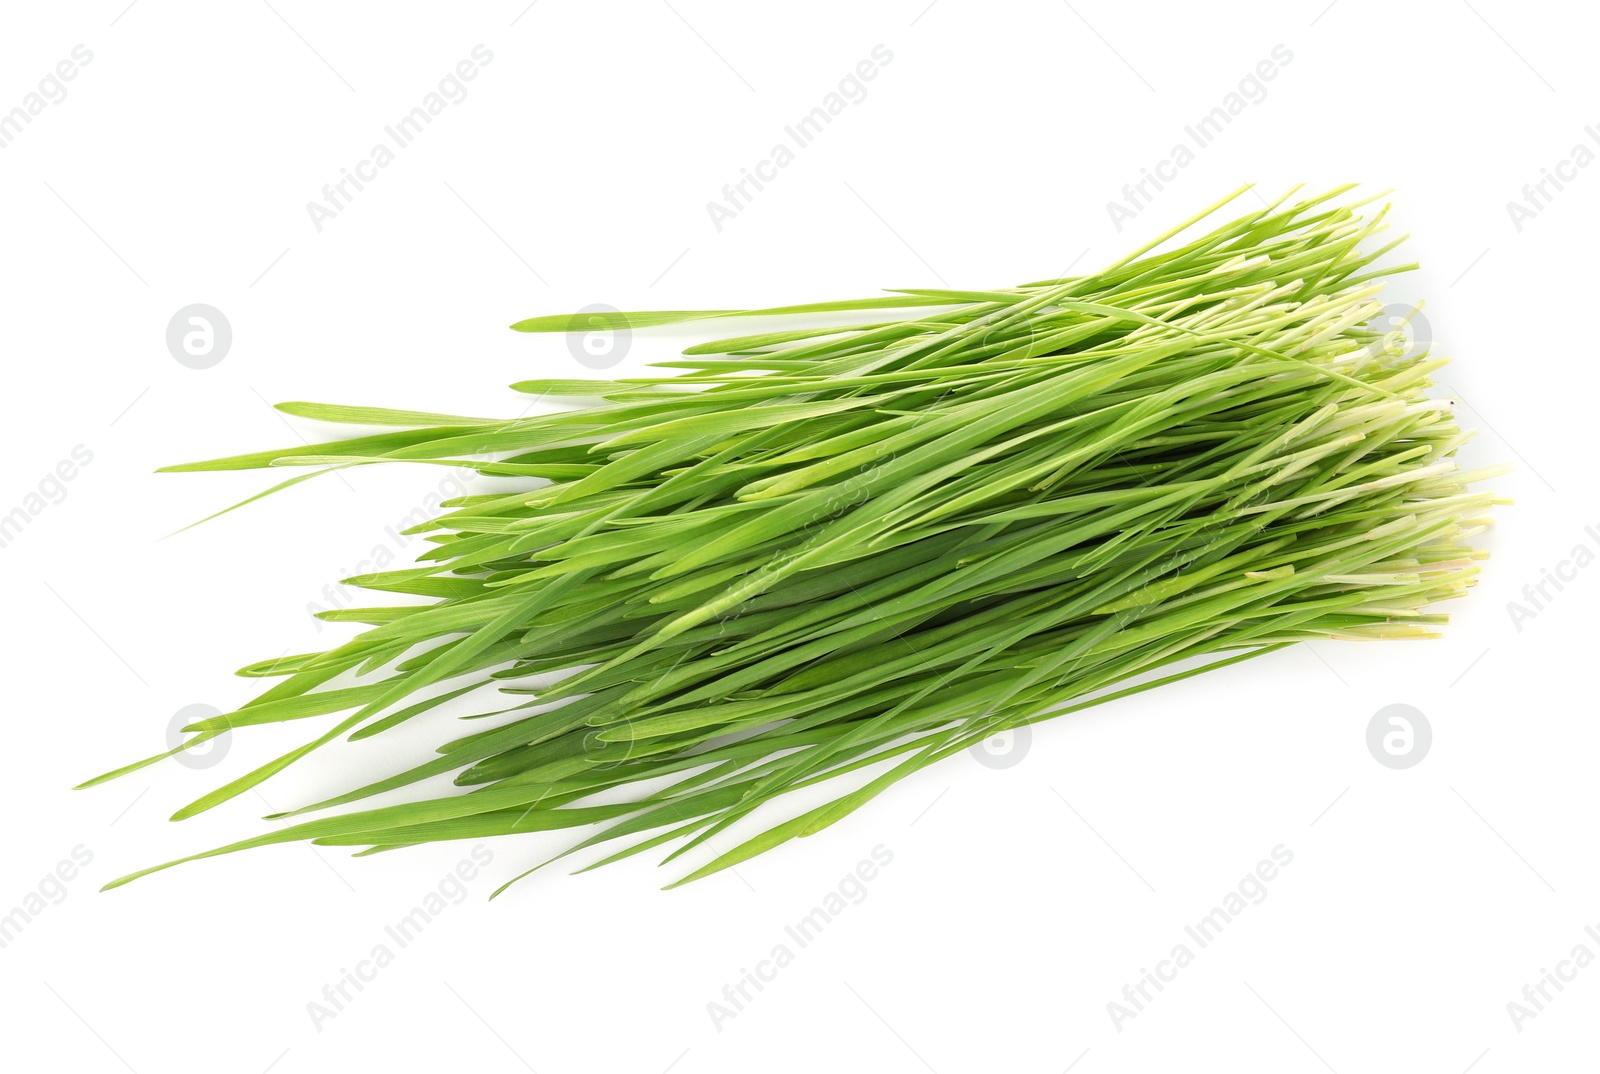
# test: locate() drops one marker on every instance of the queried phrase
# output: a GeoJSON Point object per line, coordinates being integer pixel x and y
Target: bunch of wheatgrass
{"type": "Point", "coordinates": [837, 550]}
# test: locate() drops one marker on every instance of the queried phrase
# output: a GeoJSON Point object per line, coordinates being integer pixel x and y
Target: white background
{"type": "Point", "coordinates": [1019, 901]}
